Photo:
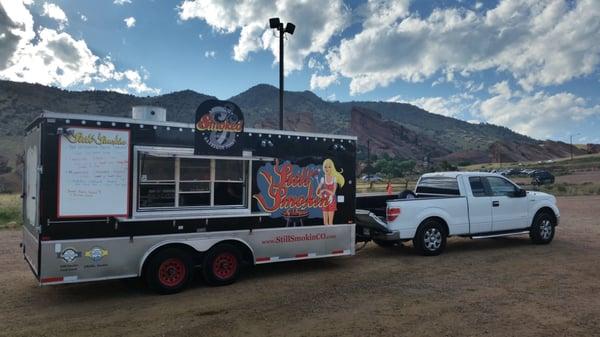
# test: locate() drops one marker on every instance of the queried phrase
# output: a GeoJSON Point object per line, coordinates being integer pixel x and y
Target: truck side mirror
{"type": "Point", "coordinates": [520, 193]}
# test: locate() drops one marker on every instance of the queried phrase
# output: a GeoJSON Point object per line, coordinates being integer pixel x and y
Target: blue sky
{"type": "Point", "coordinates": [529, 65]}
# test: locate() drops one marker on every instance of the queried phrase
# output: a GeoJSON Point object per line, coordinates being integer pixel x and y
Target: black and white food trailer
{"type": "Point", "coordinates": [107, 197]}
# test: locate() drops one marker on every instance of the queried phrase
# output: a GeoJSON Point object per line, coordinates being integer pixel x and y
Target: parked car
{"type": "Point", "coordinates": [542, 178]}
{"type": "Point", "coordinates": [469, 204]}
{"type": "Point", "coordinates": [371, 178]}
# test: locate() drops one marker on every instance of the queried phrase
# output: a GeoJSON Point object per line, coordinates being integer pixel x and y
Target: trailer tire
{"type": "Point", "coordinates": [221, 265]}
{"type": "Point", "coordinates": [169, 271]}
{"type": "Point", "coordinates": [430, 239]}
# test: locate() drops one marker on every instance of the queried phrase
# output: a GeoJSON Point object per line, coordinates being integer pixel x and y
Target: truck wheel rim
{"type": "Point", "coordinates": [546, 229]}
{"type": "Point", "coordinates": [171, 272]}
{"type": "Point", "coordinates": [225, 265]}
{"type": "Point", "coordinates": [432, 239]}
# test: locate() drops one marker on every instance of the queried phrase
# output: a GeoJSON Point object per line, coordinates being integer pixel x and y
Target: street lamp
{"type": "Point", "coordinates": [275, 23]}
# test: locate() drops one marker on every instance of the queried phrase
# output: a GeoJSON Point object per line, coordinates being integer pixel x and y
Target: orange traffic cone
{"type": "Point", "coordinates": [389, 188]}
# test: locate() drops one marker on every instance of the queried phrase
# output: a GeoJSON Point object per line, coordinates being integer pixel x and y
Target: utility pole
{"type": "Point", "coordinates": [368, 153]}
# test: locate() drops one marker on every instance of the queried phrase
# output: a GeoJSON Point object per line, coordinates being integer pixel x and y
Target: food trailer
{"type": "Point", "coordinates": [109, 197]}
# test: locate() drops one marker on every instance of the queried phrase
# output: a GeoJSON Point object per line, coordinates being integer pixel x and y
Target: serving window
{"type": "Point", "coordinates": [188, 183]}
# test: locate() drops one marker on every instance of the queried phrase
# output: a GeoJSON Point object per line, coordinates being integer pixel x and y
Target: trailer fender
{"type": "Point", "coordinates": [199, 245]}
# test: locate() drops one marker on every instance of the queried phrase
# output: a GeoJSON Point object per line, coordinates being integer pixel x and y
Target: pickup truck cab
{"type": "Point", "coordinates": [469, 204]}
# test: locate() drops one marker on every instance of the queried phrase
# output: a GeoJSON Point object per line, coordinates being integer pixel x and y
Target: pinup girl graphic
{"type": "Point", "coordinates": [327, 187]}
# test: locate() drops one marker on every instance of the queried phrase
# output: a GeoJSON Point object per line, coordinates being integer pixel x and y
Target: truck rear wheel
{"type": "Point", "coordinates": [430, 239]}
{"type": "Point", "coordinates": [221, 265]}
{"type": "Point", "coordinates": [169, 271]}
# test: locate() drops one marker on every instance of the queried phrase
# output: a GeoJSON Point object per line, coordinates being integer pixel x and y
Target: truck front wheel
{"type": "Point", "coordinates": [169, 271]}
{"type": "Point", "coordinates": [430, 239]}
{"type": "Point", "coordinates": [542, 229]}
{"type": "Point", "coordinates": [221, 265]}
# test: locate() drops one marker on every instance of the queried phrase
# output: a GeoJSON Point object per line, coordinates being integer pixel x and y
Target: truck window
{"type": "Point", "coordinates": [477, 187]}
{"type": "Point", "coordinates": [501, 187]}
{"type": "Point", "coordinates": [438, 185]}
{"type": "Point", "coordinates": [172, 182]}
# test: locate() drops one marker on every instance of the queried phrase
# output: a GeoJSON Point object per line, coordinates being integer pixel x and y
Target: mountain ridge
{"type": "Point", "coordinates": [21, 102]}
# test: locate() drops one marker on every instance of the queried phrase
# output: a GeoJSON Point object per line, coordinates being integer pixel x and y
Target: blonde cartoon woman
{"type": "Point", "coordinates": [327, 188]}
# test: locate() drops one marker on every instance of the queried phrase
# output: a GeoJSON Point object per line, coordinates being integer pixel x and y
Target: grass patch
{"type": "Point", "coordinates": [566, 189]}
{"type": "Point", "coordinates": [10, 211]}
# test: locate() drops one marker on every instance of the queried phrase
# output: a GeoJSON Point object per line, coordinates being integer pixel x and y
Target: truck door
{"type": "Point", "coordinates": [508, 211]}
{"type": "Point", "coordinates": [480, 206]}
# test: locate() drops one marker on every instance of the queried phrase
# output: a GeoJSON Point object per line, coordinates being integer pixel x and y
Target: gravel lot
{"type": "Point", "coordinates": [495, 287]}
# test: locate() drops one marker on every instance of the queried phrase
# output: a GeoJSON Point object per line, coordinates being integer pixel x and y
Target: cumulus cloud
{"type": "Point", "coordinates": [539, 43]}
{"type": "Point", "coordinates": [129, 22]}
{"type": "Point", "coordinates": [52, 57]}
{"type": "Point", "coordinates": [452, 106]}
{"type": "Point", "coordinates": [539, 115]}
{"type": "Point", "coordinates": [210, 54]}
{"type": "Point", "coordinates": [54, 12]}
{"type": "Point", "coordinates": [121, 2]}
{"type": "Point", "coordinates": [322, 82]}
{"type": "Point", "coordinates": [318, 21]}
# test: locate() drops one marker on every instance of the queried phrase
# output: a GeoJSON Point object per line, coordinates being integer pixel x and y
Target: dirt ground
{"type": "Point", "coordinates": [494, 287]}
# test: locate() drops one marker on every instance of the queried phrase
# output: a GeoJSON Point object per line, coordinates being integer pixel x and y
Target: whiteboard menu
{"type": "Point", "coordinates": [93, 172]}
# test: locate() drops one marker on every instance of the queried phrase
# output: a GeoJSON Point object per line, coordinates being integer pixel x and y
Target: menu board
{"type": "Point", "coordinates": [93, 172]}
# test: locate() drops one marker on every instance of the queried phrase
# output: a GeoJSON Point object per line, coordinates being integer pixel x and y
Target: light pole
{"type": "Point", "coordinates": [275, 23]}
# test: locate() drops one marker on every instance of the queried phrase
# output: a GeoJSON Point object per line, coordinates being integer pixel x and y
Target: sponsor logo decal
{"type": "Point", "coordinates": [69, 255]}
{"type": "Point", "coordinates": [96, 253]}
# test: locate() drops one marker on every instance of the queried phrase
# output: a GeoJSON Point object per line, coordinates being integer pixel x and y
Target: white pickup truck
{"type": "Point", "coordinates": [469, 204]}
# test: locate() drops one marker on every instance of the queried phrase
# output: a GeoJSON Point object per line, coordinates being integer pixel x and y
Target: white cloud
{"type": "Point", "coordinates": [121, 2]}
{"type": "Point", "coordinates": [56, 13]}
{"type": "Point", "coordinates": [210, 54]}
{"type": "Point", "coordinates": [315, 64]}
{"type": "Point", "coordinates": [318, 21]}
{"type": "Point", "coordinates": [539, 43]}
{"type": "Point", "coordinates": [129, 22]}
{"type": "Point", "coordinates": [83, 18]}
{"type": "Point", "coordinates": [452, 106]}
{"type": "Point", "coordinates": [539, 115]}
{"type": "Point", "coordinates": [322, 82]}
{"type": "Point", "coordinates": [52, 57]}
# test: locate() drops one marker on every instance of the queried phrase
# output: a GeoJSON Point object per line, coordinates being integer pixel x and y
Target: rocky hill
{"type": "Point", "coordinates": [400, 130]}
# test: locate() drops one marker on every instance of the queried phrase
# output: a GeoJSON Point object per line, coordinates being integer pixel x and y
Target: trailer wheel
{"type": "Point", "coordinates": [430, 239]}
{"type": "Point", "coordinates": [221, 265]}
{"type": "Point", "coordinates": [169, 271]}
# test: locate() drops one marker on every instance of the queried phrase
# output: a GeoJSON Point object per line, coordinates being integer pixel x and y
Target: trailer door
{"type": "Point", "coordinates": [31, 188]}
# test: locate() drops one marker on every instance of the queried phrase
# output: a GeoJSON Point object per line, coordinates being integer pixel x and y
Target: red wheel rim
{"type": "Point", "coordinates": [171, 272]}
{"type": "Point", "coordinates": [225, 265]}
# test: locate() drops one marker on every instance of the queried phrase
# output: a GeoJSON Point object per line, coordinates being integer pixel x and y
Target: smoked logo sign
{"type": "Point", "coordinates": [288, 190]}
{"type": "Point", "coordinates": [218, 124]}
